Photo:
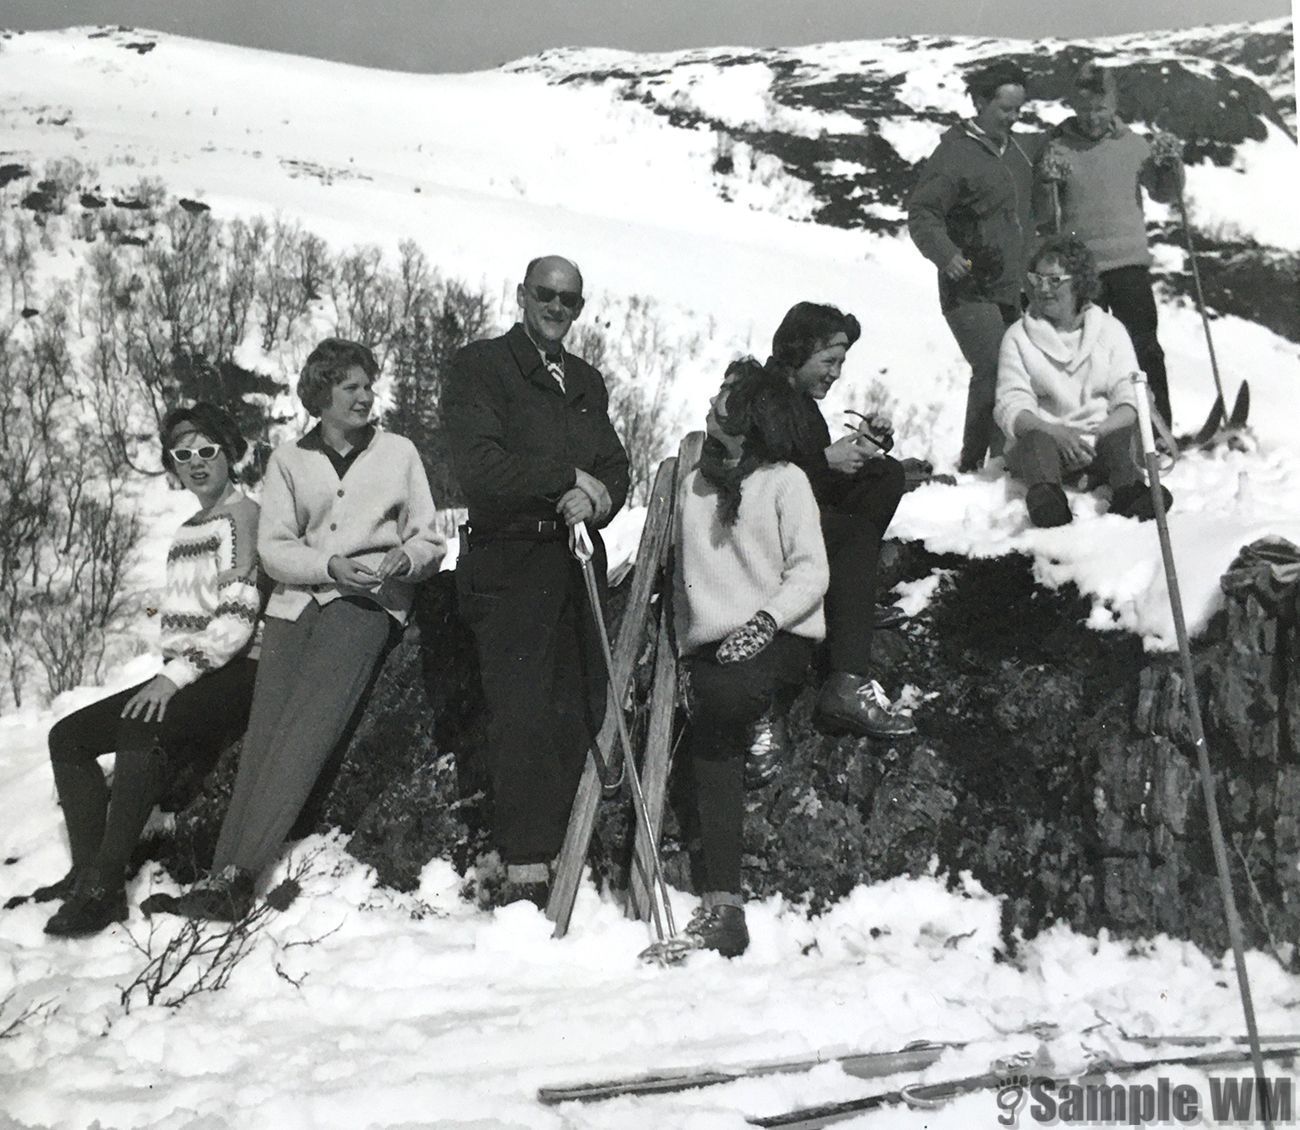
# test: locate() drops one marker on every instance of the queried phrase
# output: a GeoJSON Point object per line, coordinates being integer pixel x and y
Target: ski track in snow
{"type": "Point", "coordinates": [418, 1010]}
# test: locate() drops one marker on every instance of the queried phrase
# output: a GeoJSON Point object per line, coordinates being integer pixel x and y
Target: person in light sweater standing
{"type": "Point", "coordinates": [1098, 168]}
{"type": "Point", "coordinates": [750, 578]}
{"type": "Point", "coordinates": [193, 708]}
{"type": "Point", "coordinates": [1065, 396]}
{"type": "Point", "coordinates": [346, 532]}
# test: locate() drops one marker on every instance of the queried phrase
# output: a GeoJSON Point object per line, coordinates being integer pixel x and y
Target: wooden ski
{"type": "Point", "coordinates": [606, 757]}
{"type": "Point", "coordinates": [932, 1096]}
{"type": "Point", "coordinates": [656, 763]}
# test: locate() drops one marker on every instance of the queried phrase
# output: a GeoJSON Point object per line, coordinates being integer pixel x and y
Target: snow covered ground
{"type": "Point", "coordinates": [419, 1010]}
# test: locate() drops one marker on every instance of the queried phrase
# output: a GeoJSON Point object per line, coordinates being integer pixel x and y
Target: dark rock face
{"type": "Point", "coordinates": [1054, 763]}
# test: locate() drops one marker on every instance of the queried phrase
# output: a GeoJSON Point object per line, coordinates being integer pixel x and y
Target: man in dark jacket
{"type": "Point", "coordinates": [535, 453]}
{"type": "Point", "coordinates": [972, 215]}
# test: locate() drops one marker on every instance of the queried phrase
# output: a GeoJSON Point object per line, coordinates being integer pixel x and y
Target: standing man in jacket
{"type": "Point", "coordinates": [971, 214]}
{"type": "Point", "coordinates": [535, 453]}
{"type": "Point", "coordinates": [1098, 167]}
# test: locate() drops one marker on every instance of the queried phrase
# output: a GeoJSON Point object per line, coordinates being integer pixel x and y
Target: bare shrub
{"type": "Point", "coordinates": [434, 319]}
{"type": "Point", "coordinates": [640, 357]}
{"type": "Point", "coordinates": [12, 1018]}
{"type": "Point", "coordinates": [201, 956]}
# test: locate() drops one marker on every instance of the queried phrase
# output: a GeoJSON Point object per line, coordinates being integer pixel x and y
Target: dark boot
{"type": "Point", "coordinates": [92, 907]}
{"type": "Point", "coordinates": [60, 890]}
{"type": "Point", "coordinates": [1048, 505]}
{"type": "Point", "coordinates": [1134, 501]}
{"type": "Point", "coordinates": [721, 929]}
{"type": "Point", "coordinates": [857, 705]}
{"type": "Point", "coordinates": [225, 897]}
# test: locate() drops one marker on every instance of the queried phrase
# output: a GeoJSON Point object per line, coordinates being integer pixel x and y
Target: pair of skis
{"type": "Point", "coordinates": [1217, 423]}
{"type": "Point", "coordinates": [1219, 415]}
{"type": "Point", "coordinates": [645, 625]}
{"type": "Point", "coordinates": [911, 1058]}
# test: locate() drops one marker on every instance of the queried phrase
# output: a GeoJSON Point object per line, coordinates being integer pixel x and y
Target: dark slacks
{"type": "Point", "coordinates": [1036, 458]}
{"type": "Point", "coordinates": [543, 679]}
{"type": "Point", "coordinates": [728, 698]}
{"type": "Point", "coordinates": [201, 719]}
{"type": "Point", "coordinates": [315, 671]}
{"type": "Point", "coordinates": [855, 513]}
{"type": "Point", "coordinates": [1126, 293]}
{"type": "Point", "coordinates": [978, 328]}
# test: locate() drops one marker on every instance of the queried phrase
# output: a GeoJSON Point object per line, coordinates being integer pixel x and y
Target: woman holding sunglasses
{"type": "Point", "coordinates": [193, 708]}
{"type": "Point", "coordinates": [1065, 400]}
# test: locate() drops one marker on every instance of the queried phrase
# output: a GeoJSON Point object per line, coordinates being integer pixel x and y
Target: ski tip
{"type": "Point", "coordinates": [1240, 407]}
{"type": "Point", "coordinates": [1212, 424]}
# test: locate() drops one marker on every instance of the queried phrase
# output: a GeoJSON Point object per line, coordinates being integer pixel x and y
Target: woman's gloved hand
{"type": "Point", "coordinates": [748, 640]}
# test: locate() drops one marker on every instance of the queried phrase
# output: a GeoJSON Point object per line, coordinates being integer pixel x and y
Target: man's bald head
{"type": "Point", "coordinates": [546, 263]}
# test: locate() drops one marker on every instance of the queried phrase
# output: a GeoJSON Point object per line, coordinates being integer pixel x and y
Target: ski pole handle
{"type": "Point", "coordinates": [1143, 398]}
{"type": "Point", "coordinates": [580, 542]}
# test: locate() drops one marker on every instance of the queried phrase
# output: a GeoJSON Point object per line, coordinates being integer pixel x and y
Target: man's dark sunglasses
{"type": "Point", "coordinates": [569, 299]}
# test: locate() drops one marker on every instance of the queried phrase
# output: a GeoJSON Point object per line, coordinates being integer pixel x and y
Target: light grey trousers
{"type": "Point", "coordinates": [311, 676]}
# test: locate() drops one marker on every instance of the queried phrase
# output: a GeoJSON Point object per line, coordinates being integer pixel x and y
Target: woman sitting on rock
{"type": "Point", "coordinates": [750, 578]}
{"type": "Point", "coordinates": [194, 707]}
{"type": "Point", "coordinates": [1065, 398]}
{"type": "Point", "coordinates": [858, 487]}
{"type": "Point", "coordinates": [346, 532]}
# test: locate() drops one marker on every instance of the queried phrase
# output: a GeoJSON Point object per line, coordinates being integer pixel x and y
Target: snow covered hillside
{"type": "Point", "coordinates": [724, 185]}
{"type": "Point", "coordinates": [690, 178]}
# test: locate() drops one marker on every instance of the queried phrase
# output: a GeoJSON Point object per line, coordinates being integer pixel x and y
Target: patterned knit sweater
{"type": "Point", "coordinates": [211, 605]}
{"type": "Point", "coordinates": [773, 558]}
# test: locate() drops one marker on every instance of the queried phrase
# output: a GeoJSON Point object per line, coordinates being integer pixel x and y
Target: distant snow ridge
{"type": "Point", "coordinates": [853, 119]}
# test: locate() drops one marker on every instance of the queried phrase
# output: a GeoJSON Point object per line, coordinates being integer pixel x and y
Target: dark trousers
{"type": "Point", "coordinates": [543, 680]}
{"type": "Point", "coordinates": [1126, 293]}
{"type": "Point", "coordinates": [978, 328]}
{"type": "Point", "coordinates": [855, 514]}
{"type": "Point", "coordinates": [315, 671]}
{"type": "Point", "coordinates": [728, 699]}
{"type": "Point", "coordinates": [1036, 458]}
{"type": "Point", "coordinates": [200, 720]}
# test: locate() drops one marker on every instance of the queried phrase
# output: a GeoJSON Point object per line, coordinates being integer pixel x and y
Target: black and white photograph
{"type": "Point", "coordinates": [591, 565]}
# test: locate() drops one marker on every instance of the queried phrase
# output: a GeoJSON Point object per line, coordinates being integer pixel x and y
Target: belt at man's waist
{"type": "Point", "coordinates": [532, 529]}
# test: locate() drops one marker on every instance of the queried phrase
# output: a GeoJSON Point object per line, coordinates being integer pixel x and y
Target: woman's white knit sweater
{"type": "Point", "coordinates": [1040, 371]}
{"type": "Point", "coordinates": [772, 559]}
{"type": "Point", "coordinates": [211, 606]}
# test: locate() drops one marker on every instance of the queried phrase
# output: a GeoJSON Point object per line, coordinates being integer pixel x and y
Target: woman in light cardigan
{"type": "Point", "coordinates": [1065, 398]}
{"type": "Point", "coordinates": [750, 578]}
{"type": "Point", "coordinates": [346, 532]}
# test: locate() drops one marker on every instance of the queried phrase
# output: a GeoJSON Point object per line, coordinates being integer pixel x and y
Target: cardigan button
{"type": "Point", "coordinates": [340, 492]}
{"type": "Point", "coordinates": [334, 525]}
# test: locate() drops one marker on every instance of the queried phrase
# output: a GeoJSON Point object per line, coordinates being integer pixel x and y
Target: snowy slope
{"type": "Point", "coordinates": [485, 170]}
{"type": "Point", "coordinates": [419, 1010]}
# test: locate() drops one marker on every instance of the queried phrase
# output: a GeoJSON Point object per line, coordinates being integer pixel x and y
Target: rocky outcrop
{"type": "Point", "coordinates": [1054, 764]}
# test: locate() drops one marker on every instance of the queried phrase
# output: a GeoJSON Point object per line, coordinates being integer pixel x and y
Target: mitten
{"type": "Point", "coordinates": [1053, 165]}
{"type": "Point", "coordinates": [1166, 148]}
{"type": "Point", "coordinates": [748, 640]}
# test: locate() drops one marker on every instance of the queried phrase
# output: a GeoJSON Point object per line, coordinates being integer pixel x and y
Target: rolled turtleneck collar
{"type": "Point", "coordinates": [1047, 338]}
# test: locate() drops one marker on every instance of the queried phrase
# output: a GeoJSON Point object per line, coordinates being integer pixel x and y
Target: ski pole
{"type": "Point", "coordinates": [661, 908]}
{"type": "Point", "coordinates": [1200, 296]}
{"type": "Point", "coordinates": [1198, 735]}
